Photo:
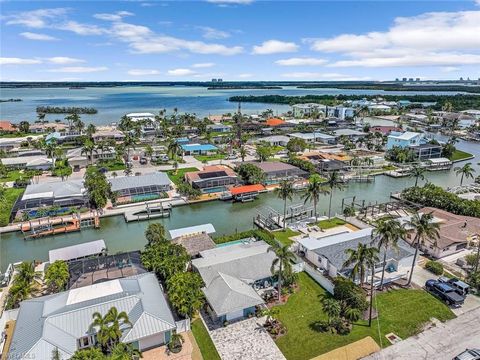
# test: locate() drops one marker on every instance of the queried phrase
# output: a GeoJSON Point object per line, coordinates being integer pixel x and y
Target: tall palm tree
{"type": "Point", "coordinates": [243, 153]}
{"type": "Point", "coordinates": [333, 182]}
{"type": "Point", "coordinates": [129, 142]}
{"type": "Point", "coordinates": [123, 351]}
{"type": "Point", "coordinates": [91, 129]}
{"type": "Point", "coordinates": [88, 149]}
{"type": "Point", "coordinates": [386, 234]}
{"type": "Point", "coordinates": [425, 229]}
{"type": "Point", "coordinates": [466, 171]}
{"type": "Point", "coordinates": [108, 327]}
{"type": "Point", "coordinates": [331, 308]}
{"type": "Point", "coordinates": [360, 258]}
{"type": "Point", "coordinates": [418, 173]}
{"type": "Point", "coordinates": [173, 148]}
{"type": "Point", "coordinates": [285, 192]}
{"type": "Point", "coordinates": [282, 261]}
{"type": "Point", "coordinates": [26, 272]}
{"type": "Point", "coordinates": [314, 190]}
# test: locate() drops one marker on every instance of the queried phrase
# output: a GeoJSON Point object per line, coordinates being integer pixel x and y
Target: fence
{"type": "Point", "coordinates": [183, 325]}
{"type": "Point", "coordinates": [319, 278]}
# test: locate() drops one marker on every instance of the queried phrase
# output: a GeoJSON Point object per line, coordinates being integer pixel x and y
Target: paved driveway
{"type": "Point", "coordinates": [441, 341]}
{"type": "Point", "coordinates": [245, 340]}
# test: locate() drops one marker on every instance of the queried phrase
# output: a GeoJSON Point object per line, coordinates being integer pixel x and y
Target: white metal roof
{"type": "Point", "coordinates": [439, 160]}
{"type": "Point", "coordinates": [204, 228]}
{"type": "Point", "coordinates": [77, 251]}
{"type": "Point", "coordinates": [317, 243]}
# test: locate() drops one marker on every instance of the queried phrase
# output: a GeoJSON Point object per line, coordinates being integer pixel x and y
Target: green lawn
{"type": "Point", "coordinates": [330, 223]}
{"type": "Point", "coordinates": [459, 155]}
{"type": "Point", "coordinates": [177, 177]}
{"type": "Point", "coordinates": [204, 158]}
{"type": "Point", "coordinates": [283, 236]}
{"type": "Point", "coordinates": [205, 343]}
{"type": "Point", "coordinates": [12, 176]}
{"type": "Point", "coordinates": [11, 195]}
{"type": "Point", "coordinates": [400, 311]}
{"type": "Point", "coordinates": [111, 165]}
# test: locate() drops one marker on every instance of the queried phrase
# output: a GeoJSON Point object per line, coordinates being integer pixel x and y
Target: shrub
{"type": "Point", "coordinates": [257, 234]}
{"type": "Point", "coordinates": [434, 267]}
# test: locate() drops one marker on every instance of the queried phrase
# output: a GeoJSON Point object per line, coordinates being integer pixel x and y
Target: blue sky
{"type": "Point", "coordinates": [239, 40]}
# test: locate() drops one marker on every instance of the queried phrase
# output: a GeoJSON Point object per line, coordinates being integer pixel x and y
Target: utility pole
{"type": "Point", "coordinates": [371, 297]}
{"type": "Point", "coordinates": [478, 253]}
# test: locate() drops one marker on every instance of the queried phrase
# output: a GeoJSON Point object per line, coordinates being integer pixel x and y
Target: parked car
{"type": "Point", "coordinates": [459, 286]}
{"type": "Point", "coordinates": [231, 157]}
{"type": "Point", "coordinates": [143, 161]}
{"type": "Point", "coordinates": [469, 354]}
{"type": "Point", "coordinates": [444, 292]}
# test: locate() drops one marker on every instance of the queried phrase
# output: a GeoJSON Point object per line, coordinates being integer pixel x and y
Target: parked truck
{"type": "Point", "coordinates": [444, 292]}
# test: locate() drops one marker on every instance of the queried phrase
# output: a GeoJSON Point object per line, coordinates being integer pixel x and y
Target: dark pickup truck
{"type": "Point", "coordinates": [445, 292]}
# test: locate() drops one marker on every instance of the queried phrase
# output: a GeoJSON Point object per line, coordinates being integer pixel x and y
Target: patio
{"type": "Point", "coordinates": [190, 351]}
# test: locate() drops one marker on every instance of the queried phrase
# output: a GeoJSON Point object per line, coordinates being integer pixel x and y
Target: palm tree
{"type": "Point", "coordinates": [466, 171]}
{"type": "Point", "coordinates": [333, 182]}
{"type": "Point", "coordinates": [331, 308]}
{"type": "Point", "coordinates": [123, 351]}
{"type": "Point", "coordinates": [129, 142]}
{"type": "Point", "coordinates": [26, 272]}
{"type": "Point", "coordinates": [243, 153]}
{"type": "Point", "coordinates": [91, 129]}
{"type": "Point", "coordinates": [88, 149]}
{"type": "Point", "coordinates": [314, 190]}
{"type": "Point", "coordinates": [173, 149]}
{"type": "Point", "coordinates": [108, 327]}
{"type": "Point", "coordinates": [149, 151]}
{"type": "Point", "coordinates": [386, 234]}
{"type": "Point", "coordinates": [424, 229]}
{"type": "Point", "coordinates": [418, 173]}
{"type": "Point", "coordinates": [360, 258]}
{"type": "Point", "coordinates": [283, 261]}
{"type": "Point", "coordinates": [285, 192]}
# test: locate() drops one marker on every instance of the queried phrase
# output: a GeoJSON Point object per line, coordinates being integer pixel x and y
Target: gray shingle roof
{"type": "Point", "coordinates": [55, 189]}
{"type": "Point", "coordinates": [59, 320]}
{"type": "Point", "coordinates": [129, 182]}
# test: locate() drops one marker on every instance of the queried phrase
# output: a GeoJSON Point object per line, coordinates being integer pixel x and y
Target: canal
{"type": "Point", "coordinates": [225, 216]}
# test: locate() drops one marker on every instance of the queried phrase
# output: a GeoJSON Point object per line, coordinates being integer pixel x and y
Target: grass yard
{"type": "Point", "coordinates": [13, 175]}
{"type": "Point", "coordinates": [459, 155]}
{"type": "Point", "coordinates": [400, 311]}
{"type": "Point", "coordinates": [177, 177]}
{"type": "Point", "coordinates": [330, 223]}
{"type": "Point", "coordinates": [283, 236]}
{"type": "Point", "coordinates": [11, 194]}
{"type": "Point", "coordinates": [205, 158]}
{"type": "Point", "coordinates": [204, 342]}
{"type": "Point", "coordinates": [111, 165]}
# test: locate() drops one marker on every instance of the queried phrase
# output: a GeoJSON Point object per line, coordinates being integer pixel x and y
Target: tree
{"type": "Point", "coordinates": [173, 148]}
{"type": "Point", "coordinates": [129, 142]}
{"type": "Point", "coordinates": [418, 173]}
{"type": "Point", "coordinates": [98, 188]}
{"type": "Point", "coordinates": [88, 149]}
{"type": "Point", "coordinates": [88, 354]}
{"type": "Point", "coordinates": [187, 190]}
{"type": "Point", "coordinates": [123, 351]}
{"type": "Point", "coordinates": [62, 169]}
{"type": "Point", "coordinates": [333, 182]}
{"type": "Point", "coordinates": [331, 308]}
{"type": "Point", "coordinates": [386, 234]}
{"type": "Point", "coordinates": [314, 190]}
{"type": "Point", "coordinates": [359, 260]}
{"type": "Point", "coordinates": [91, 129]}
{"type": "Point", "coordinates": [107, 328]}
{"type": "Point", "coordinates": [185, 292]}
{"type": "Point", "coordinates": [295, 145]}
{"type": "Point", "coordinates": [264, 152]}
{"type": "Point", "coordinates": [283, 261]}
{"type": "Point", "coordinates": [165, 259]}
{"type": "Point", "coordinates": [466, 171]}
{"type": "Point", "coordinates": [155, 233]}
{"type": "Point", "coordinates": [149, 151]}
{"type": "Point", "coordinates": [250, 173]}
{"type": "Point", "coordinates": [284, 192]}
{"type": "Point", "coordinates": [424, 229]}
{"type": "Point", "coordinates": [24, 127]}
{"type": "Point", "coordinates": [243, 153]}
{"type": "Point", "coordinates": [57, 276]}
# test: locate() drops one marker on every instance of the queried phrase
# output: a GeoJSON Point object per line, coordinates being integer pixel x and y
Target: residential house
{"type": "Point", "coordinates": [219, 128]}
{"type": "Point", "coordinates": [403, 139]}
{"type": "Point", "coordinates": [273, 122]}
{"type": "Point", "coordinates": [351, 134]}
{"type": "Point", "coordinates": [194, 239]}
{"type": "Point", "coordinates": [61, 137]}
{"type": "Point", "coordinates": [108, 134]}
{"type": "Point", "coordinates": [276, 171]}
{"type": "Point", "coordinates": [229, 272]}
{"type": "Point", "coordinates": [384, 130]}
{"type": "Point", "coordinates": [314, 137]}
{"type": "Point", "coordinates": [307, 110]}
{"type": "Point", "coordinates": [472, 112]}
{"type": "Point", "coordinates": [198, 149]}
{"type": "Point", "coordinates": [147, 120]}
{"type": "Point", "coordinates": [36, 162]}
{"type": "Point", "coordinates": [62, 321]}
{"type": "Point", "coordinates": [140, 188]}
{"type": "Point", "coordinates": [275, 140]}
{"type": "Point", "coordinates": [47, 127]}
{"type": "Point", "coordinates": [7, 127]}
{"type": "Point", "coordinates": [212, 178]}
{"type": "Point", "coordinates": [78, 160]}
{"type": "Point", "coordinates": [341, 112]}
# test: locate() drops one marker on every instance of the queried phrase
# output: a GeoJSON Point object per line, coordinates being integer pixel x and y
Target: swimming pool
{"type": "Point", "coordinates": [241, 241]}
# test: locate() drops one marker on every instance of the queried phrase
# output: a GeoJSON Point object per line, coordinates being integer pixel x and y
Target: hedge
{"type": "Point", "coordinates": [257, 234]}
{"type": "Point", "coordinates": [434, 267]}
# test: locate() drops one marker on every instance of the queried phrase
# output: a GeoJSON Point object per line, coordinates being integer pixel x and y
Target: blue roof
{"type": "Point", "coordinates": [53, 135]}
{"type": "Point", "coordinates": [199, 147]}
{"type": "Point", "coordinates": [182, 140]}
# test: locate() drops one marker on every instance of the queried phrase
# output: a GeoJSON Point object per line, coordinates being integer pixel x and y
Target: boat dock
{"type": "Point", "coordinates": [270, 219]}
{"type": "Point", "coordinates": [149, 211]}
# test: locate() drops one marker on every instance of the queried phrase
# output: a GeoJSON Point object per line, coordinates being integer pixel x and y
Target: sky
{"type": "Point", "coordinates": [238, 40]}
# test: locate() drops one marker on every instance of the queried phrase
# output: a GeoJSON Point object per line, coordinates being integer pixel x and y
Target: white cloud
{"type": "Point", "coordinates": [180, 72]}
{"type": "Point", "coordinates": [212, 33]}
{"type": "Point", "coordinates": [143, 72]}
{"type": "Point", "coordinates": [81, 29]}
{"type": "Point", "coordinates": [37, 36]}
{"type": "Point", "coordinates": [119, 15]}
{"type": "Point", "coordinates": [274, 47]}
{"type": "Point", "coordinates": [429, 39]}
{"type": "Point", "coordinates": [230, 2]}
{"type": "Point", "coordinates": [245, 75]}
{"type": "Point", "coordinates": [203, 65]}
{"type": "Point", "coordinates": [35, 18]}
{"type": "Point", "coordinates": [61, 60]}
{"type": "Point", "coordinates": [323, 76]}
{"type": "Point", "coordinates": [307, 61]}
{"type": "Point", "coordinates": [448, 69]}
{"type": "Point", "coordinates": [79, 69]}
{"type": "Point", "coordinates": [18, 61]}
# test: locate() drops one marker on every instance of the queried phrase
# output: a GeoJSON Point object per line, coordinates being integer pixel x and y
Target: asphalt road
{"type": "Point", "coordinates": [442, 341]}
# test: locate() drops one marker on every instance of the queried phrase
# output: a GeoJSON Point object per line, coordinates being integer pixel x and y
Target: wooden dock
{"type": "Point", "coordinates": [150, 211]}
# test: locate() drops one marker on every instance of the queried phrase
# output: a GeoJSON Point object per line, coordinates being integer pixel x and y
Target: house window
{"type": "Point", "coordinates": [85, 342]}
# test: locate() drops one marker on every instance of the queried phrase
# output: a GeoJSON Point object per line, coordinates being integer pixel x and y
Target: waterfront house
{"type": "Point", "coordinates": [78, 160]}
{"type": "Point", "coordinates": [229, 273]}
{"type": "Point", "coordinates": [212, 178]}
{"type": "Point", "coordinates": [39, 128]}
{"type": "Point", "coordinates": [276, 171]}
{"type": "Point", "coordinates": [140, 188]}
{"type": "Point", "coordinates": [273, 122]}
{"type": "Point", "coordinates": [198, 149]}
{"type": "Point", "coordinates": [36, 162]}
{"type": "Point", "coordinates": [307, 110]}
{"type": "Point", "coordinates": [6, 127]}
{"type": "Point", "coordinates": [456, 231]}
{"type": "Point", "coordinates": [146, 120]}
{"type": "Point", "coordinates": [403, 139]}
{"type": "Point", "coordinates": [61, 137]}
{"type": "Point", "coordinates": [328, 254]}
{"type": "Point", "coordinates": [341, 112]}
{"type": "Point", "coordinates": [472, 112]}
{"type": "Point", "coordinates": [275, 140]}
{"type": "Point", "coordinates": [351, 134]}
{"type": "Point", "coordinates": [62, 321]}
{"type": "Point", "coordinates": [8, 144]}
{"type": "Point", "coordinates": [108, 134]}
{"type": "Point", "coordinates": [384, 130]}
{"type": "Point", "coordinates": [314, 137]}
{"type": "Point", "coordinates": [427, 151]}
{"type": "Point", "coordinates": [194, 239]}
{"type": "Point", "coordinates": [219, 128]}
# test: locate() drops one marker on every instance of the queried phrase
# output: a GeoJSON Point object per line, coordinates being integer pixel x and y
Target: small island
{"type": "Point", "coordinates": [65, 110]}
{"type": "Point", "coordinates": [10, 100]}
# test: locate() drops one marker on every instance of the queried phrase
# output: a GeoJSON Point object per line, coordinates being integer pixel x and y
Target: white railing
{"type": "Point", "coordinates": [183, 325]}
{"type": "Point", "coordinates": [319, 278]}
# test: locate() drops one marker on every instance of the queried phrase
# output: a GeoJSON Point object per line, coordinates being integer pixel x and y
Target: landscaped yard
{"type": "Point", "coordinates": [204, 342]}
{"type": "Point", "coordinates": [205, 158]}
{"type": "Point", "coordinates": [283, 236]}
{"type": "Point", "coordinates": [11, 194]}
{"type": "Point", "coordinates": [177, 177]}
{"type": "Point", "coordinates": [330, 223]}
{"type": "Point", "coordinates": [459, 155]}
{"type": "Point", "coordinates": [402, 312]}
{"type": "Point", "coordinates": [111, 165]}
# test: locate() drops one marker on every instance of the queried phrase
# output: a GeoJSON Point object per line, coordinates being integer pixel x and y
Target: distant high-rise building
{"type": "Point", "coordinates": [397, 80]}
{"type": "Point", "coordinates": [410, 79]}
{"type": "Point", "coordinates": [417, 79]}
{"type": "Point", "coordinates": [404, 79]}
{"type": "Point", "coordinates": [461, 79]}
{"type": "Point", "coordinates": [219, 80]}
{"type": "Point", "coordinates": [214, 80]}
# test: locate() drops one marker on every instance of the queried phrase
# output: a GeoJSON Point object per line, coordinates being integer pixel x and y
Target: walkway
{"type": "Point", "coordinates": [353, 351]}
{"type": "Point", "coordinates": [189, 351]}
{"type": "Point", "coordinates": [245, 340]}
{"type": "Point", "coordinates": [441, 341]}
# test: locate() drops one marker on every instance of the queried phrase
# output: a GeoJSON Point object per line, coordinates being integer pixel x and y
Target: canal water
{"type": "Point", "coordinates": [225, 216]}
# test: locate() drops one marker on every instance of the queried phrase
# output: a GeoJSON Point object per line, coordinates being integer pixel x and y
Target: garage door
{"type": "Point", "coordinates": [151, 341]}
{"type": "Point", "coordinates": [235, 315]}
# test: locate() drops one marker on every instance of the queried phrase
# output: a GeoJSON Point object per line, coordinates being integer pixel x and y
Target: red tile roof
{"type": "Point", "coordinates": [246, 189]}
{"type": "Point", "coordinates": [275, 122]}
{"type": "Point", "coordinates": [6, 126]}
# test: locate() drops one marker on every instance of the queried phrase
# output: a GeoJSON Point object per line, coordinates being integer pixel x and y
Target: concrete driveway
{"type": "Point", "coordinates": [442, 341]}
